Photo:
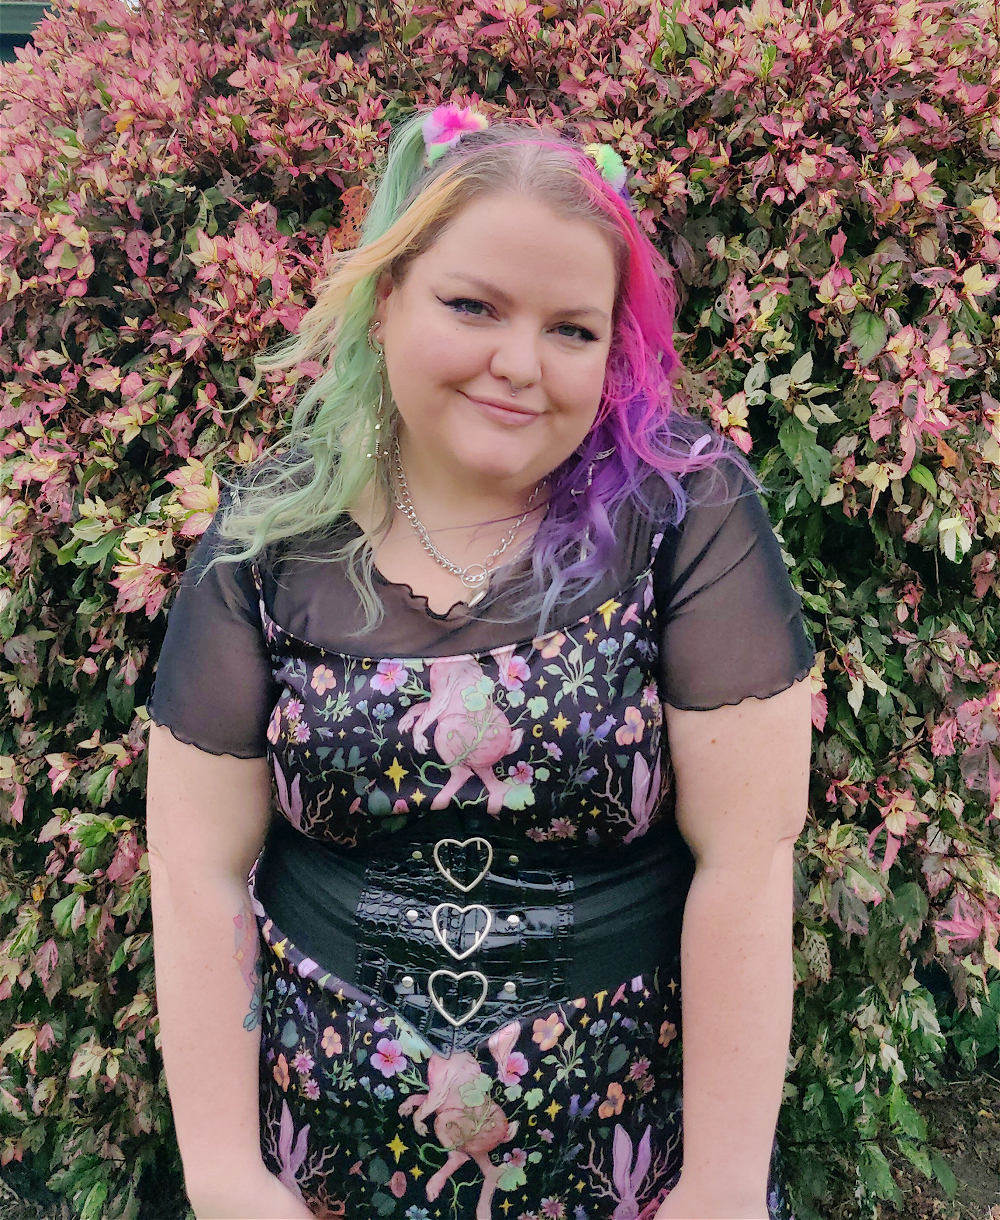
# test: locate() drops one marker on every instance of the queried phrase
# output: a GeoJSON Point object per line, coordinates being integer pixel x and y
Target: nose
{"type": "Point", "coordinates": [516, 357]}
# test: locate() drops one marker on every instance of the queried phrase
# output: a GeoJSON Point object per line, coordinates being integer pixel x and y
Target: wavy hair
{"type": "Point", "coordinates": [304, 484]}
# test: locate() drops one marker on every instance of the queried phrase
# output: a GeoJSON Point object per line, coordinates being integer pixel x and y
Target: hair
{"type": "Point", "coordinates": [320, 466]}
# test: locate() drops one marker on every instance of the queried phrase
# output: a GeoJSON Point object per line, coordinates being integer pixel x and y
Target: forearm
{"type": "Point", "coordinates": [737, 994]}
{"type": "Point", "coordinates": [207, 957]}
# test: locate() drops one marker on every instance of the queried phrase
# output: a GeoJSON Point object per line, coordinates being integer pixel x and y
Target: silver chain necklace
{"type": "Point", "coordinates": [474, 575]}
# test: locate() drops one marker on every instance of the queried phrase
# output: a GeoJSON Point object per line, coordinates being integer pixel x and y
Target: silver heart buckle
{"type": "Point", "coordinates": [480, 934]}
{"type": "Point", "coordinates": [457, 1022]}
{"type": "Point", "coordinates": [446, 872]}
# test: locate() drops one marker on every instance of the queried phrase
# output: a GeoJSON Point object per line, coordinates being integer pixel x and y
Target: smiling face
{"type": "Point", "coordinates": [510, 296]}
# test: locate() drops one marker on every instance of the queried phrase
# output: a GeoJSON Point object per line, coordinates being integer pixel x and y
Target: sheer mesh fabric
{"type": "Point", "coordinates": [730, 620]}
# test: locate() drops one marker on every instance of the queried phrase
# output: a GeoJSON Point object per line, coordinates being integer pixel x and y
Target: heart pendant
{"type": "Point", "coordinates": [446, 872]}
{"type": "Point", "coordinates": [457, 978]}
{"type": "Point", "coordinates": [480, 935]}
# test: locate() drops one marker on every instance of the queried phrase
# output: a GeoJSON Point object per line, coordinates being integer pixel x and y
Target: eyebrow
{"type": "Point", "coordinates": [494, 290]}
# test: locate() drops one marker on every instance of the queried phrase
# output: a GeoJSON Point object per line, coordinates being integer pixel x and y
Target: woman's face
{"type": "Point", "coordinates": [510, 296]}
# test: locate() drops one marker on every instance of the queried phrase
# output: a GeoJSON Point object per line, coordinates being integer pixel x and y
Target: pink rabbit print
{"type": "Point", "coordinates": [472, 733]}
{"type": "Point", "coordinates": [468, 1123]}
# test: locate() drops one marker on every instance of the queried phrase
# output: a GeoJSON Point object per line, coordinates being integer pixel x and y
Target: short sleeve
{"type": "Point", "coordinates": [730, 619]}
{"type": "Point", "coordinates": [213, 686]}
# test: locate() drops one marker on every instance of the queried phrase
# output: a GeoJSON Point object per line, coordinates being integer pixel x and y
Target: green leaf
{"type": "Point", "coordinates": [411, 30]}
{"type": "Point", "coordinates": [802, 369]}
{"type": "Point", "coordinates": [92, 1208]}
{"type": "Point", "coordinates": [877, 1175]}
{"type": "Point", "coordinates": [97, 552]}
{"type": "Point", "coordinates": [62, 913]}
{"type": "Point", "coordinates": [943, 1173]}
{"type": "Point", "coordinates": [868, 335]}
{"type": "Point", "coordinates": [920, 474]}
{"type": "Point", "coordinates": [289, 1035]}
{"type": "Point", "coordinates": [903, 1115]}
{"type": "Point", "coordinates": [812, 461]}
{"type": "Point", "coordinates": [617, 1058]}
{"type": "Point", "coordinates": [917, 1157]}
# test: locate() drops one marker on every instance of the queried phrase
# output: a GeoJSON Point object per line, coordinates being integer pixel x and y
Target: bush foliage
{"type": "Point", "coordinates": [823, 177]}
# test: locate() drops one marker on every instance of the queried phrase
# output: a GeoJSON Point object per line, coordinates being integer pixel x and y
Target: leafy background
{"type": "Point", "coordinates": [823, 178]}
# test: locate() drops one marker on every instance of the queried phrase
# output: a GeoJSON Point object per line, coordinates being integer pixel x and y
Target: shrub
{"type": "Point", "coordinates": [823, 177]}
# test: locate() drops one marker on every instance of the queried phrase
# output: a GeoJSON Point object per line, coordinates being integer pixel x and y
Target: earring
{"type": "Point", "coordinates": [379, 351]}
{"type": "Point", "coordinates": [590, 471]}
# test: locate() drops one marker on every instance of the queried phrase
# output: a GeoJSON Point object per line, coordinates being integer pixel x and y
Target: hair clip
{"type": "Point", "coordinates": [445, 126]}
{"type": "Point", "coordinates": [611, 166]}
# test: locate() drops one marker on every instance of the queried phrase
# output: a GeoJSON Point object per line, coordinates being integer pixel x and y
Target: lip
{"type": "Point", "coordinates": [500, 411]}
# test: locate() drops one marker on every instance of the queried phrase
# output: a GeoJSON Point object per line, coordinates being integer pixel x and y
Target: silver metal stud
{"type": "Point", "coordinates": [416, 855]}
{"type": "Point", "coordinates": [513, 921]}
{"type": "Point", "coordinates": [510, 988]}
{"type": "Point", "coordinates": [412, 915]}
{"type": "Point", "coordinates": [406, 982]}
{"type": "Point", "coordinates": [514, 859]}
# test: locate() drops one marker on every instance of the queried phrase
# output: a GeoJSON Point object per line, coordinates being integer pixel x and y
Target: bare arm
{"type": "Point", "coordinates": [207, 817]}
{"type": "Point", "coordinates": [742, 792]}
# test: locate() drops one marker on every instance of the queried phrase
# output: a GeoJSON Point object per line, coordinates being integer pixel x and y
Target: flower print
{"type": "Point", "coordinates": [362, 706]}
{"type": "Point", "coordinates": [303, 1063]}
{"type": "Point", "coordinates": [355, 1010]}
{"type": "Point", "coordinates": [476, 696]}
{"type": "Point", "coordinates": [554, 646]}
{"type": "Point", "coordinates": [389, 1058]}
{"type": "Point", "coordinates": [650, 696]}
{"type": "Point", "coordinates": [605, 728]}
{"type": "Point", "coordinates": [301, 731]}
{"type": "Point", "coordinates": [614, 1101]}
{"type": "Point", "coordinates": [516, 1157]}
{"type": "Point", "coordinates": [331, 1042]}
{"type": "Point", "coordinates": [390, 677]}
{"type": "Point", "coordinates": [583, 728]}
{"type": "Point", "coordinates": [523, 773]}
{"type": "Point", "coordinates": [293, 709]}
{"type": "Point", "coordinates": [562, 828]}
{"type": "Point", "coordinates": [382, 711]}
{"type": "Point", "coordinates": [554, 750]}
{"type": "Point", "coordinates": [631, 730]}
{"type": "Point", "coordinates": [310, 1088]}
{"type": "Point", "coordinates": [536, 835]}
{"type": "Point", "coordinates": [274, 726]}
{"type": "Point", "coordinates": [547, 1031]}
{"type": "Point", "coordinates": [416, 1213]}
{"type": "Point", "coordinates": [514, 1069]}
{"type": "Point", "coordinates": [546, 1135]}
{"type": "Point", "coordinates": [281, 1071]}
{"type": "Point", "coordinates": [383, 1092]}
{"type": "Point", "coordinates": [323, 679]}
{"type": "Point", "coordinates": [639, 1068]}
{"type": "Point", "coordinates": [668, 1032]}
{"type": "Point", "coordinates": [401, 806]}
{"type": "Point", "coordinates": [599, 1027]}
{"type": "Point", "coordinates": [552, 1209]}
{"type": "Point", "coordinates": [517, 673]}
{"type": "Point", "coordinates": [607, 648]}
{"type": "Point", "coordinates": [379, 1026]}
{"type": "Point", "coordinates": [397, 1184]}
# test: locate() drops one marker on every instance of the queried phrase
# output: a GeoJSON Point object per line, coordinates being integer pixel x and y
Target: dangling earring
{"type": "Point", "coordinates": [590, 471]}
{"type": "Point", "coordinates": [379, 351]}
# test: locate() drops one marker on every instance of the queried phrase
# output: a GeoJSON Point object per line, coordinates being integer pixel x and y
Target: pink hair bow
{"type": "Point", "coordinates": [445, 126]}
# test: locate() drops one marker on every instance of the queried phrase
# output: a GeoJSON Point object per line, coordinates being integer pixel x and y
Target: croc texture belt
{"type": "Point", "coordinates": [462, 930]}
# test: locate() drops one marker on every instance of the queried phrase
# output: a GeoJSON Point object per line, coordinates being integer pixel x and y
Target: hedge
{"type": "Point", "coordinates": [823, 178]}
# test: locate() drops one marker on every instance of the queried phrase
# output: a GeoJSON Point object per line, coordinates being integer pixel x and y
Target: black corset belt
{"type": "Point", "coordinates": [462, 930]}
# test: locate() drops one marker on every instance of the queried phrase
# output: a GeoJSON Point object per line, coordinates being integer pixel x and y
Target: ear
{"type": "Point", "coordinates": [383, 290]}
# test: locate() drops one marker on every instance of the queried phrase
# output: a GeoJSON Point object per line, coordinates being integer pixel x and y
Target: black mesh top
{"type": "Point", "coordinates": [729, 619]}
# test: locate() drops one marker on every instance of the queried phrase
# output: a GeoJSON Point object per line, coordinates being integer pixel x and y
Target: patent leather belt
{"type": "Point", "coordinates": [462, 930]}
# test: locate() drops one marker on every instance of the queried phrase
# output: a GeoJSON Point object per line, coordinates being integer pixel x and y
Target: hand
{"type": "Point", "coordinates": [254, 1195]}
{"type": "Point", "coordinates": [689, 1201]}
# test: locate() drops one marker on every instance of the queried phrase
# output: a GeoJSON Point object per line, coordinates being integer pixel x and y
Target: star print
{"type": "Point", "coordinates": [590, 635]}
{"type": "Point", "coordinates": [397, 1147]}
{"type": "Point", "coordinates": [418, 798]}
{"type": "Point", "coordinates": [579, 1185]}
{"type": "Point", "coordinates": [505, 1206]}
{"type": "Point", "coordinates": [308, 754]}
{"type": "Point", "coordinates": [279, 949]}
{"type": "Point", "coordinates": [673, 985]}
{"type": "Point", "coordinates": [396, 772]}
{"type": "Point", "coordinates": [585, 1020]}
{"type": "Point", "coordinates": [541, 684]}
{"type": "Point", "coordinates": [416, 1172]}
{"type": "Point", "coordinates": [553, 1110]}
{"type": "Point", "coordinates": [594, 812]}
{"type": "Point", "coordinates": [343, 792]}
{"type": "Point", "coordinates": [609, 607]}
{"type": "Point", "coordinates": [343, 733]}
{"type": "Point", "coordinates": [538, 1074]}
{"type": "Point", "coordinates": [560, 723]}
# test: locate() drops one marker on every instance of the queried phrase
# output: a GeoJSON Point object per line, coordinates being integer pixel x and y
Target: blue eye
{"type": "Point", "coordinates": [458, 304]}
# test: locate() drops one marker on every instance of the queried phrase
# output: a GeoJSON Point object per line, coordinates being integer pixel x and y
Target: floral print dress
{"type": "Point", "coordinates": [425, 1087]}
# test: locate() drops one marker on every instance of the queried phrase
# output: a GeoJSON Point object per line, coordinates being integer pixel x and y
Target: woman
{"type": "Point", "coordinates": [519, 572]}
